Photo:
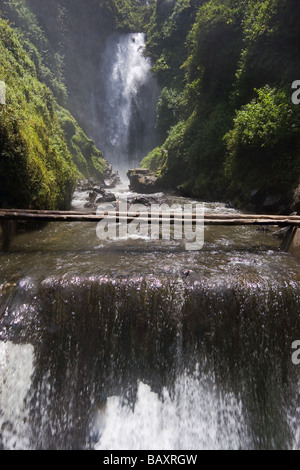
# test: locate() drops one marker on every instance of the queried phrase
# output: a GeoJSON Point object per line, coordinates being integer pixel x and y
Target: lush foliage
{"type": "Point", "coordinates": [225, 116]}
{"type": "Point", "coordinates": [36, 168]}
{"type": "Point", "coordinates": [42, 148]}
{"type": "Point", "coordinates": [87, 158]}
{"type": "Point", "coordinates": [48, 60]}
{"type": "Point", "coordinates": [264, 144]}
{"type": "Point", "coordinates": [226, 122]}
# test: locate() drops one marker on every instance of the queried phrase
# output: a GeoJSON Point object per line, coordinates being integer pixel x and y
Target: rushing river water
{"type": "Point", "coordinates": [140, 344]}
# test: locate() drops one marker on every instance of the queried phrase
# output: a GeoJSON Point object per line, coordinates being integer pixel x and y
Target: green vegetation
{"type": "Point", "coordinates": [87, 158]}
{"type": "Point", "coordinates": [227, 124]}
{"type": "Point", "coordinates": [36, 168]}
{"type": "Point", "coordinates": [47, 57]}
{"type": "Point", "coordinates": [43, 150]}
{"type": "Point", "coordinates": [264, 144]}
{"type": "Point", "coordinates": [127, 15]}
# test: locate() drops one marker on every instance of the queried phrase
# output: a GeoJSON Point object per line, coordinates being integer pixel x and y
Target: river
{"type": "Point", "coordinates": [141, 344]}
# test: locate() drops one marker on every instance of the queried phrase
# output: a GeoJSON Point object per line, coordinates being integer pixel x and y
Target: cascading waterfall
{"type": "Point", "coordinates": [125, 102]}
{"type": "Point", "coordinates": [137, 344]}
{"type": "Point", "coordinates": [100, 363]}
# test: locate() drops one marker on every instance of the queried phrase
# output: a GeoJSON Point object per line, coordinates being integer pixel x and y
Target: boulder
{"type": "Point", "coordinates": [99, 190]}
{"type": "Point", "coordinates": [106, 197]}
{"type": "Point", "coordinates": [112, 181]}
{"type": "Point", "coordinates": [146, 199]}
{"type": "Point", "coordinates": [272, 200]}
{"type": "Point", "coordinates": [111, 178]}
{"type": "Point", "coordinates": [143, 181]}
{"type": "Point", "coordinates": [89, 205]}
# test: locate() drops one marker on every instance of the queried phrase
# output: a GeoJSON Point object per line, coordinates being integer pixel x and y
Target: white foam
{"type": "Point", "coordinates": [197, 417]}
{"type": "Point", "coordinates": [16, 368]}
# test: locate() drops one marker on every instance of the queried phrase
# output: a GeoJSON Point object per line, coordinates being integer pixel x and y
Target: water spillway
{"type": "Point", "coordinates": [140, 344]}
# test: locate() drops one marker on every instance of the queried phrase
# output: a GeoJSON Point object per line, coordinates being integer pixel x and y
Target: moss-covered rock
{"type": "Point", "coordinates": [88, 159]}
{"type": "Point", "coordinates": [42, 148]}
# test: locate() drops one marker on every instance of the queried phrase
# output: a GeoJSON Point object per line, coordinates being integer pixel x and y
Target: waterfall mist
{"type": "Point", "coordinates": [124, 102]}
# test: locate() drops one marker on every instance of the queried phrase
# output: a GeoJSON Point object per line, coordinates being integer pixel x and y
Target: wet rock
{"type": "Point", "coordinates": [86, 185]}
{"type": "Point", "coordinates": [112, 181]}
{"type": "Point", "coordinates": [281, 233]}
{"type": "Point", "coordinates": [147, 200]}
{"type": "Point", "coordinates": [296, 200]}
{"type": "Point", "coordinates": [92, 196]}
{"type": "Point", "coordinates": [99, 190]}
{"type": "Point", "coordinates": [89, 205]}
{"type": "Point", "coordinates": [106, 197]}
{"type": "Point", "coordinates": [111, 178]}
{"type": "Point", "coordinates": [143, 181]}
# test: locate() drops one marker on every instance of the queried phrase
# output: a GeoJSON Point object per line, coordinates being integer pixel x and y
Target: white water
{"type": "Point", "coordinates": [197, 417]}
{"type": "Point", "coordinates": [16, 369]}
{"type": "Point", "coordinates": [129, 95]}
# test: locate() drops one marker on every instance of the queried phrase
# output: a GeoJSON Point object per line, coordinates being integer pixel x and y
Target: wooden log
{"type": "Point", "coordinates": [170, 214]}
{"type": "Point", "coordinates": [9, 218]}
{"type": "Point", "coordinates": [220, 219]}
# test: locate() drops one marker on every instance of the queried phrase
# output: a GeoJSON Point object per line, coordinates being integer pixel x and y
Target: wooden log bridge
{"type": "Point", "coordinates": [7, 216]}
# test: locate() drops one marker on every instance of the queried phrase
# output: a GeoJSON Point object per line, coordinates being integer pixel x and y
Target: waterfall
{"type": "Point", "coordinates": [137, 344]}
{"type": "Point", "coordinates": [124, 102]}
{"type": "Point", "coordinates": [99, 363]}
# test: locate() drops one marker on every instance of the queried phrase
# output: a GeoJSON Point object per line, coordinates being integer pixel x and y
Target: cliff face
{"type": "Point", "coordinates": [77, 32]}
{"type": "Point", "coordinates": [227, 123]}
{"type": "Point", "coordinates": [43, 149]}
{"type": "Point", "coordinates": [36, 167]}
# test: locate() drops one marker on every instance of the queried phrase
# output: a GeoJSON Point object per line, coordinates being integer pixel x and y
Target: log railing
{"type": "Point", "coordinates": [8, 217]}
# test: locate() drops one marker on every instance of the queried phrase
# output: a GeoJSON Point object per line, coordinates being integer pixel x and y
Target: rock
{"type": "Point", "coordinates": [253, 193]}
{"type": "Point", "coordinates": [92, 197]}
{"type": "Point", "coordinates": [281, 233]}
{"type": "Point", "coordinates": [112, 181]}
{"type": "Point", "coordinates": [296, 200]}
{"type": "Point", "coordinates": [142, 181]}
{"type": "Point", "coordinates": [87, 185]}
{"type": "Point", "coordinates": [111, 178]}
{"type": "Point", "coordinates": [98, 190]}
{"type": "Point", "coordinates": [146, 200]}
{"type": "Point", "coordinates": [107, 197]}
{"type": "Point", "coordinates": [89, 205]}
